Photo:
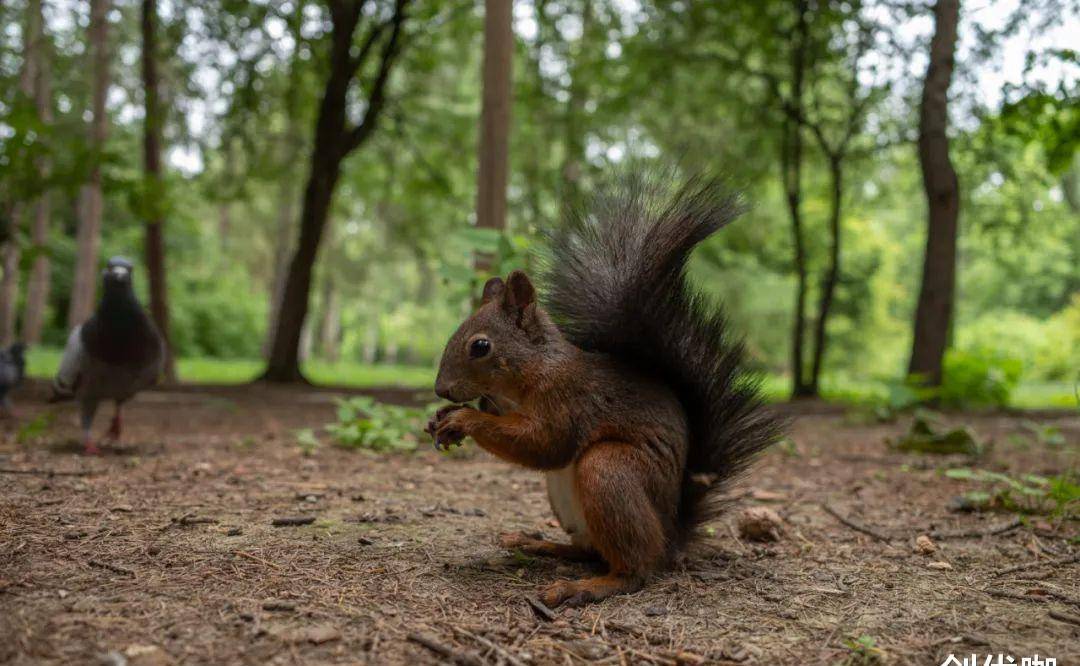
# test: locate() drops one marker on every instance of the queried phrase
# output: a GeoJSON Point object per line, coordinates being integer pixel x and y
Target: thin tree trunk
{"type": "Point", "coordinates": [573, 140]}
{"type": "Point", "coordinates": [330, 327]}
{"type": "Point", "coordinates": [37, 288]}
{"type": "Point", "coordinates": [155, 190]}
{"type": "Point", "coordinates": [832, 273]}
{"type": "Point", "coordinates": [91, 202]}
{"type": "Point", "coordinates": [334, 140]}
{"type": "Point", "coordinates": [11, 253]}
{"type": "Point", "coordinates": [9, 284]}
{"type": "Point", "coordinates": [933, 315]}
{"type": "Point", "coordinates": [495, 120]}
{"type": "Point", "coordinates": [791, 163]}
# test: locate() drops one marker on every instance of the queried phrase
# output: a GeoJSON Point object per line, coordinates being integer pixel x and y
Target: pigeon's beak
{"type": "Point", "coordinates": [119, 273]}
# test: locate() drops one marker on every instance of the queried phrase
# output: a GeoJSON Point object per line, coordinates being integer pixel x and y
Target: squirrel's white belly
{"type": "Point", "coordinates": [562, 493]}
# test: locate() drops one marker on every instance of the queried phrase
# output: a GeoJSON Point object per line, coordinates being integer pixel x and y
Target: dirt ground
{"type": "Point", "coordinates": [164, 551]}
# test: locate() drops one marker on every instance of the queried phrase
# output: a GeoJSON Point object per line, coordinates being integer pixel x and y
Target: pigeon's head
{"type": "Point", "coordinates": [117, 273]}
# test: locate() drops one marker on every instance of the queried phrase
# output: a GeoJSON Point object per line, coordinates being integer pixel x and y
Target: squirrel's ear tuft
{"type": "Point", "coordinates": [492, 289]}
{"type": "Point", "coordinates": [520, 292]}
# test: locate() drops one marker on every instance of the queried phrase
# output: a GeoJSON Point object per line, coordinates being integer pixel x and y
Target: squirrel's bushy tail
{"type": "Point", "coordinates": [617, 284]}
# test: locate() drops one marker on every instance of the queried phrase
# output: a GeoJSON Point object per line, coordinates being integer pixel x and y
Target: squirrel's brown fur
{"type": "Point", "coordinates": [632, 398]}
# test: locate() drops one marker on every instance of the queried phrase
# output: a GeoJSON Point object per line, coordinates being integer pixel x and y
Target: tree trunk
{"type": "Point", "coordinates": [37, 288]}
{"type": "Point", "coordinates": [791, 164]}
{"type": "Point", "coordinates": [155, 185]}
{"type": "Point", "coordinates": [91, 203]}
{"type": "Point", "coordinates": [573, 138]}
{"type": "Point", "coordinates": [287, 190]}
{"type": "Point", "coordinates": [330, 327]}
{"type": "Point", "coordinates": [334, 140]}
{"type": "Point", "coordinates": [495, 120]}
{"type": "Point", "coordinates": [933, 315]}
{"type": "Point", "coordinates": [832, 273]}
{"type": "Point", "coordinates": [9, 284]}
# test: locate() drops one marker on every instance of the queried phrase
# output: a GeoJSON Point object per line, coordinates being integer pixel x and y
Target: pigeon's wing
{"type": "Point", "coordinates": [71, 364]}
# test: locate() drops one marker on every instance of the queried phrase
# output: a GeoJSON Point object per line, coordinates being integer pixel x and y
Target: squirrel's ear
{"type": "Point", "coordinates": [520, 292]}
{"type": "Point", "coordinates": [492, 289]}
{"type": "Point", "coordinates": [520, 302]}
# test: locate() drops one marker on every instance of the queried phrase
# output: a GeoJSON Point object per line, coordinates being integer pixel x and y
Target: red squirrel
{"type": "Point", "coordinates": [625, 388]}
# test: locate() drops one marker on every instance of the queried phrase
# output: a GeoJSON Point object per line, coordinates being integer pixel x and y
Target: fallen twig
{"type": "Point", "coordinates": [289, 521]}
{"type": "Point", "coordinates": [189, 519]}
{"type": "Point", "coordinates": [1065, 617]}
{"type": "Point", "coordinates": [115, 568]}
{"type": "Point", "coordinates": [255, 558]}
{"type": "Point", "coordinates": [1038, 563]}
{"type": "Point", "coordinates": [1005, 594]}
{"type": "Point", "coordinates": [456, 656]}
{"type": "Point", "coordinates": [540, 608]}
{"type": "Point", "coordinates": [46, 472]}
{"type": "Point", "coordinates": [857, 526]}
{"type": "Point", "coordinates": [495, 647]}
{"type": "Point", "coordinates": [986, 531]}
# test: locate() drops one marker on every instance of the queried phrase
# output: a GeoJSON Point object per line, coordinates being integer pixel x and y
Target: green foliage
{"type": "Point", "coordinates": [974, 379]}
{"type": "Point", "coordinates": [926, 435]}
{"type": "Point", "coordinates": [864, 650]}
{"type": "Point", "coordinates": [365, 423]}
{"type": "Point", "coordinates": [1029, 493]}
{"type": "Point", "coordinates": [35, 427]}
{"type": "Point", "coordinates": [306, 441]}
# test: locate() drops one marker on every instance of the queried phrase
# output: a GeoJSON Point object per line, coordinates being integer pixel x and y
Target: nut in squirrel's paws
{"type": "Point", "coordinates": [442, 430]}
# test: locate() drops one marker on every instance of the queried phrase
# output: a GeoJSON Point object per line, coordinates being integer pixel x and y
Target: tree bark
{"type": "Point", "coordinates": [573, 138]}
{"type": "Point", "coordinates": [330, 327]}
{"type": "Point", "coordinates": [933, 314]}
{"type": "Point", "coordinates": [155, 185]}
{"type": "Point", "coordinates": [832, 273]}
{"type": "Point", "coordinates": [494, 151]}
{"type": "Point", "coordinates": [91, 201]}
{"type": "Point", "coordinates": [37, 288]}
{"type": "Point", "coordinates": [334, 140]}
{"type": "Point", "coordinates": [791, 164]}
{"type": "Point", "coordinates": [287, 190]}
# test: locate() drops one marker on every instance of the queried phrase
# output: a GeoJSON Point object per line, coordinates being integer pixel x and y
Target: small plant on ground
{"type": "Point", "coordinates": [35, 427]}
{"type": "Point", "coordinates": [365, 423]}
{"type": "Point", "coordinates": [307, 441]}
{"type": "Point", "coordinates": [863, 651]}
{"type": "Point", "coordinates": [1029, 493]}
{"type": "Point", "coordinates": [927, 435]}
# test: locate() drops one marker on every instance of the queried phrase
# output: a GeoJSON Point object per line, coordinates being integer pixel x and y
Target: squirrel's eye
{"type": "Point", "coordinates": [479, 347]}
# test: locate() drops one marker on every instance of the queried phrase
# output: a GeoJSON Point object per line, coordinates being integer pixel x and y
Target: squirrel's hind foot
{"type": "Point", "coordinates": [589, 590]}
{"type": "Point", "coordinates": [535, 544]}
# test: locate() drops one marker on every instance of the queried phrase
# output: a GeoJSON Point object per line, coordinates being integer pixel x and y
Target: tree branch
{"type": "Point", "coordinates": [377, 94]}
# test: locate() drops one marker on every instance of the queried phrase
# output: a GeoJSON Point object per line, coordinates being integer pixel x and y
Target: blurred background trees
{"type": "Point", "coordinates": [315, 205]}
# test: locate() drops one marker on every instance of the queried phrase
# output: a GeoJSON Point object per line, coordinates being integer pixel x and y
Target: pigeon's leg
{"type": "Point", "coordinates": [87, 411]}
{"type": "Point", "coordinates": [115, 425]}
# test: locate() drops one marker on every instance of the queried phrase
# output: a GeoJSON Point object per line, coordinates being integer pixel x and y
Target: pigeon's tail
{"type": "Point", "coordinates": [67, 376]}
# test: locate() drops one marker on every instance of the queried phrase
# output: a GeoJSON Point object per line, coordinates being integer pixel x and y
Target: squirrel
{"type": "Point", "coordinates": [625, 387]}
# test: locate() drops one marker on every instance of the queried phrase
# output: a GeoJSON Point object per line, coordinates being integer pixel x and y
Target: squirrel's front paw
{"type": "Point", "coordinates": [437, 420]}
{"type": "Point", "coordinates": [450, 428]}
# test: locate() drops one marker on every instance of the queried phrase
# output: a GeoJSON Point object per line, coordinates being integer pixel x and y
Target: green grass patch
{"type": "Point", "coordinates": [42, 362]}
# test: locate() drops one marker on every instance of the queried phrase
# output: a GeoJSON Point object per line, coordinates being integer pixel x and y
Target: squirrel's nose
{"type": "Point", "coordinates": [442, 389]}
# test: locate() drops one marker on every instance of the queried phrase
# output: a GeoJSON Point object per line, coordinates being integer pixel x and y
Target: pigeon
{"type": "Point", "coordinates": [12, 367]}
{"type": "Point", "coordinates": [113, 355]}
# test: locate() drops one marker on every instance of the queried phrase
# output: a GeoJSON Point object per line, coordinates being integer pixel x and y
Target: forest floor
{"type": "Point", "coordinates": [164, 550]}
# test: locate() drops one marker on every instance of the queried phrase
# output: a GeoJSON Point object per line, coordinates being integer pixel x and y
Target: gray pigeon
{"type": "Point", "coordinates": [12, 367]}
{"type": "Point", "coordinates": [113, 355]}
